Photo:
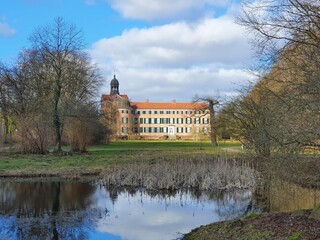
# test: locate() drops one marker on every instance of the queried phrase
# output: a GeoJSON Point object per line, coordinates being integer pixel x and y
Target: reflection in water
{"type": "Point", "coordinates": [146, 215]}
{"type": "Point", "coordinates": [62, 210]}
{"type": "Point", "coordinates": [285, 197]}
{"type": "Point", "coordinates": [42, 210]}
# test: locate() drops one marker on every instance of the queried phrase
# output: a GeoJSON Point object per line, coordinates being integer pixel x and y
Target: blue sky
{"type": "Point", "coordinates": [159, 49]}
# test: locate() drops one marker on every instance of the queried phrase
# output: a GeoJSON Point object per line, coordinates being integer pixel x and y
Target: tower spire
{"type": "Point", "coordinates": [114, 86]}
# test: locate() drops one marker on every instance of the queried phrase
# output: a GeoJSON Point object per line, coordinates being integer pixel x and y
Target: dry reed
{"type": "Point", "coordinates": [219, 173]}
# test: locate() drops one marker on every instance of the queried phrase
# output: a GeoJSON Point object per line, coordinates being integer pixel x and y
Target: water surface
{"type": "Point", "coordinates": [69, 210]}
{"type": "Point", "coordinates": [65, 210]}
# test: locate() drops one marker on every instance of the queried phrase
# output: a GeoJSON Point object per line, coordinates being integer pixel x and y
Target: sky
{"type": "Point", "coordinates": [160, 50]}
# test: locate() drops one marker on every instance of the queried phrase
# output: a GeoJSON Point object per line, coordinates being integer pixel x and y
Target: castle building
{"type": "Point", "coordinates": [153, 120]}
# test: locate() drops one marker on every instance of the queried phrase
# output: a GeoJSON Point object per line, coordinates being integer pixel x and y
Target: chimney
{"type": "Point", "coordinates": [146, 101]}
{"type": "Point", "coordinates": [174, 101]}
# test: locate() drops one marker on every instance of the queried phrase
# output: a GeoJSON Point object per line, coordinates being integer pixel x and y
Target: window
{"type": "Point", "coordinates": [171, 120]}
{"type": "Point", "coordinates": [188, 120]}
{"type": "Point", "coordinates": [179, 120]}
{"type": "Point", "coordinates": [197, 120]}
{"type": "Point", "coordinates": [179, 130]}
{"type": "Point", "coordinates": [141, 120]}
{"type": "Point", "coordinates": [188, 129]}
{"type": "Point", "coordinates": [143, 112]}
{"type": "Point", "coordinates": [138, 112]}
{"type": "Point", "coordinates": [205, 120]}
{"type": "Point", "coordinates": [145, 120]}
{"type": "Point", "coordinates": [135, 120]}
{"type": "Point", "coordinates": [155, 112]}
{"type": "Point", "coordinates": [141, 130]}
{"type": "Point", "coordinates": [173, 112]}
{"type": "Point", "coordinates": [168, 112]}
{"type": "Point", "coordinates": [124, 130]}
{"type": "Point", "coordinates": [161, 112]}
{"type": "Point", "coordinates": [150, 112]}
{"type": "Point", "coordinates": [205, 129]}
{"type": "Point", "coordinates": [197, 112]}
{"type": "Point", "coordinates": [124, 120]}
{"type": "Point", "coordinates": [135, 129]}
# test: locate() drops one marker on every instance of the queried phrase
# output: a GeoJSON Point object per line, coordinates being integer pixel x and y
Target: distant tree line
{"type": "Point", "coordinates": [48, 96]}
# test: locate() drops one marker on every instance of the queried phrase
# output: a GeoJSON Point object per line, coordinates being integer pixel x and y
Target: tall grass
{"type": "Point", "coordinates": [219, 173]}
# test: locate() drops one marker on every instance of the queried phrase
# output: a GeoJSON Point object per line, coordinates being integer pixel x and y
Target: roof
{"type": "Point", "coordinates": [114, 81]}
{"type": "Point", "coordinates": [108, 96]}
{"type": "Point", "coordinates": [168, 105]}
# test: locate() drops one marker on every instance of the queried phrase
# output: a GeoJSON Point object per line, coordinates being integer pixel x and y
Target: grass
{"type": "Point", "coordinates": [295, 236]}
{"type": "Point", "coordinates": [100, 157]}
{"type": "Point", "coordinates": [139, 145]}
{"type": "Point", "coordinates": [252, 215]}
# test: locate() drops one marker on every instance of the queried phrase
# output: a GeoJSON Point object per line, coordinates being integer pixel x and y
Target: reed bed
{"type": "Point", "coordinates": [218, 173]}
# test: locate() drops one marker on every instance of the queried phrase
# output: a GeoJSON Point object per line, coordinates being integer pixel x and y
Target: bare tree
{"type": "Point", "coordinates": [282, 110]}
{"type": "Point", "coordinates": [210, 103]}
{"type": "Point", "coordinates": [63, 68]}
{"type": "Point", "coordinates": [110, 117]}
{"type": "Point", "coordinates": [82, 126]}
{"type": "Point", "coordinates": [281, 24]}
{"type": "Point", "coordinates": [47, 86]}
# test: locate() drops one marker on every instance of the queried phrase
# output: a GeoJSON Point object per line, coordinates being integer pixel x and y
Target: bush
{"type": "Point", "coordinates": [34, 134]}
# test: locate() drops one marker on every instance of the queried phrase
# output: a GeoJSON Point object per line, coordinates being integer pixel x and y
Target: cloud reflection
{"type": "Point", "coordinates": [139, 216]}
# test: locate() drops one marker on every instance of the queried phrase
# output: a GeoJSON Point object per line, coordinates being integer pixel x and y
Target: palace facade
{"type": "Point", "coordinates": [154, 120]}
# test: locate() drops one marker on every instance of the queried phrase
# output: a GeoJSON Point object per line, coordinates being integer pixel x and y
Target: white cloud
{"type": "Point", "coordinates": [177, 60]}
{"type": "Point", "coordinates": [176, 45]}
{"type": "Point", "coordinates": [163, 84]}
{"type": "Point", "coordinates": [6, 30]}
{"type": "Point", "coordinates": [164, 9]}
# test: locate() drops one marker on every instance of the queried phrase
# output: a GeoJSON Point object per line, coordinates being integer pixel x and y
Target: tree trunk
{"type": "Point", "coordinates": [213, 131]}
{"type": "Point", "coordinates": [56, 117]}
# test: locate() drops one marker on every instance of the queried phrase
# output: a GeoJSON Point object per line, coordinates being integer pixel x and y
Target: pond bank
{"type": "Point", "coordinates": [302, 224]}
{"type": "Point", "coordinates": [102, 157]}
{"type": "Point", "coordinates": [283, 223]}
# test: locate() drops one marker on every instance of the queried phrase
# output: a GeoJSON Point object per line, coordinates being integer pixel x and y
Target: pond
{"type": "Point", "coordinates": [70, 210]}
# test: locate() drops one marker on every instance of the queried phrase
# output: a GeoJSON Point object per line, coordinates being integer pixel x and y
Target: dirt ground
{"type": "Point", "coordinates": [302, 224]}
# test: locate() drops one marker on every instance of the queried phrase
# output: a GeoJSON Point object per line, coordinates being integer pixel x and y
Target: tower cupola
{"type": "Point", "coordinates": [114, 86]}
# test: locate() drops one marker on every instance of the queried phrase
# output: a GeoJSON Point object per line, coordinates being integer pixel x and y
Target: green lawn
{"type": "Point", "coordinates": [164, 145]}
{"type": "Point", "coordinates": [100, 157]}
